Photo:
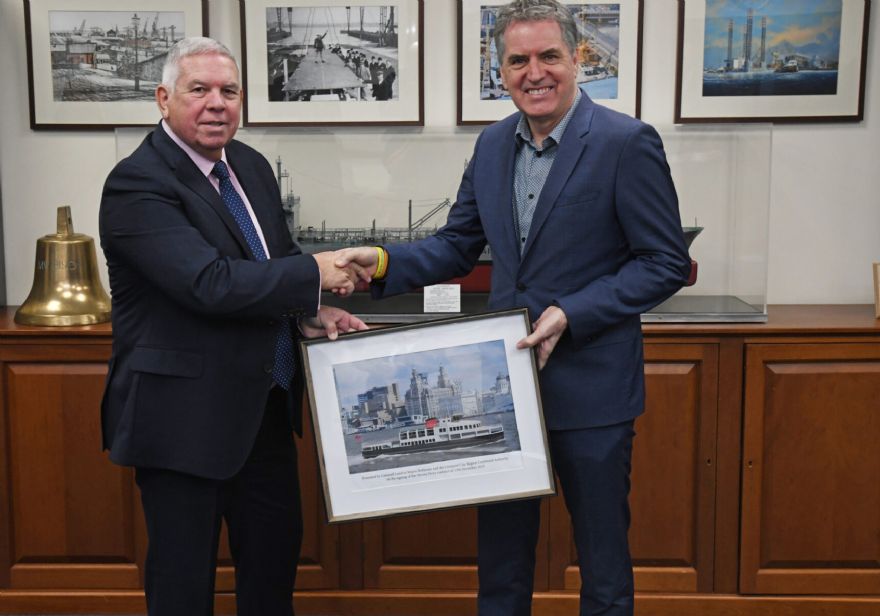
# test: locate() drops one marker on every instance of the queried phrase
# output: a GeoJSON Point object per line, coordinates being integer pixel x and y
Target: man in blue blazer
{"type": "Point", "coordinates": [201, 396]}
{"type": "Point", "coordinates": [578, 206]}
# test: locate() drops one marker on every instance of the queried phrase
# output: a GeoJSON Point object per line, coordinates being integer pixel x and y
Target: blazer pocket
{"type": "Point", "coordinates": [169, 362]}
{"type": "Point", "coordinates": [574, 200]}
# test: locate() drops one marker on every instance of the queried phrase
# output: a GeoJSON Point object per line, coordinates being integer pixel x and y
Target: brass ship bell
{"type": "Point", "coordinates": [66, 289]}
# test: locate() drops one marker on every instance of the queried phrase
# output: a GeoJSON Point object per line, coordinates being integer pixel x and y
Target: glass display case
{"type": "Point", "coordinates": [353, 186]}
{"type": "Point", "coordinates": [722, 175]}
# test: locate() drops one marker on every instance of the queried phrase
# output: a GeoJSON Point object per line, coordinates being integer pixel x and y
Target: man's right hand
{"type": "Point", "coordinates": [366, 258]}
{"type": "Point", "coordinates": [339, 279]}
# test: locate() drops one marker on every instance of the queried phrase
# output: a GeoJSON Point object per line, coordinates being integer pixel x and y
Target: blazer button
{"type": "Point", "coordinates": [520, 286]}
{"type": "Point", "coordinates": [267, 368]}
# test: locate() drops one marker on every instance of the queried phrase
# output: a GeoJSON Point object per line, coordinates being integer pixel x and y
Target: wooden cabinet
{"type": "Point", "coordinates": [755, 487]}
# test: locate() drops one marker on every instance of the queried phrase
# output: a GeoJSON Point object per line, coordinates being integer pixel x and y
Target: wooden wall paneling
{"type": "Point", "coordinates": [673, 477]}
{"type": "Point", "coordinates": [72, 523]}
{"type": "Point", "coordinates": [811, 469]}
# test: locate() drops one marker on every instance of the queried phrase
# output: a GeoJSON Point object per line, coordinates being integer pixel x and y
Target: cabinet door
{"type": "Point", "coordinates": [672, 497]}
{"type": "Point", "coordinates": [72, 513]}
{"type": "Point", "coordinates": [811, 469]}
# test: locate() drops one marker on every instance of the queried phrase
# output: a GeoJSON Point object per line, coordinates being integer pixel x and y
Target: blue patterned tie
{"type": "Point", "coordinates": [282, 371]}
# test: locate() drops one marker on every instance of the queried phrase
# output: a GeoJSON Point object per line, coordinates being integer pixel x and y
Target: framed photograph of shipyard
{"type": "Point", "coordinates": [427, 416]}
{"type": "Point", "coordinates": [771, 60]}
{"type": "Point", "coordinates": [332, 63]}
{"type": "Point", "coordinates": [608, 51]}
{"type": "Point", "coordinates": [95, 64]}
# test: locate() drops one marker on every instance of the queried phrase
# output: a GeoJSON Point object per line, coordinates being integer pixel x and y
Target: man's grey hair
{"type": "Point", "coordinates": [191, 46]}
{"type": "Point", "coordinates": [535, 10]}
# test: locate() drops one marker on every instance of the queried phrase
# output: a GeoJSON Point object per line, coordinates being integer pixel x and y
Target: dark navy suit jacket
{"type": "Point", "coordinates": [605, 245]}
{"type": "Point", "coordinates": [195, 318]}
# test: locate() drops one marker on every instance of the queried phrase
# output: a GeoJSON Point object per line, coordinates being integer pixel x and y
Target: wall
{"type": "Point", "coordinates": [825, 212]}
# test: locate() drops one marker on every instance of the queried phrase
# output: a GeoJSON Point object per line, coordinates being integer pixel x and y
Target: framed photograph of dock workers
{"type": "Point", "coordinates": [608, 51]}
{"type": "Point", "coordinates": [95, 64]}
{"type": "Point", "coordinates": [332, 63]}
{"type": "Point", "coordinates": [771, 60]}
{"type": "Point", "coordinates": [427, 416]}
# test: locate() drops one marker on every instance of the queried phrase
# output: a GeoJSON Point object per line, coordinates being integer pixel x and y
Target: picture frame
{"type": "Point", "coordinates": [87, 71]}
{"type": "Point", "coordinates": [610, 75]}
{"type": "Point", "coordinates": [768, 62]}
{"type": "Point", "coordinates": [332, 63]}
{"type": "Point", "coordinates": [427, 416]}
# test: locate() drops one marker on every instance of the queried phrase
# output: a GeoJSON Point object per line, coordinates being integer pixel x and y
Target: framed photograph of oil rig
{"type": "Point", "coordinates": [332, 63]}
{"type": "Point", "coordinates": [95, 64]}
{"type": "Point", "coordinates": [427, 416]}
{"type": "Point", "coordinates": [608, 52]}
{"type": "Point", "coordinates": [771, 60]}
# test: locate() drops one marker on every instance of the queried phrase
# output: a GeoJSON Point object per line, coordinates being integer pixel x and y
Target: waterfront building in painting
{"type": "Point", "coordinates": [383, 406]}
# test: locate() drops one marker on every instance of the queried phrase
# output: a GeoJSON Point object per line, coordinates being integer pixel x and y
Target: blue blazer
{"type": "Point", "coordinates": [605, 245]}
{"type": "Point", "coordinates": [195, 318]}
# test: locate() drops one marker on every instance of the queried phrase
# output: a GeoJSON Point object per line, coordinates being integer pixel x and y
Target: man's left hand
{"type": "Point", "coordinates": [329, 322]}
{"type": "Point", "coordinates": [546, 332]}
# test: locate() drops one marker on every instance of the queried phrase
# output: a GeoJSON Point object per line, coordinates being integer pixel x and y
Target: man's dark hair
{"type": "Point", "coordinates": [535, 10]}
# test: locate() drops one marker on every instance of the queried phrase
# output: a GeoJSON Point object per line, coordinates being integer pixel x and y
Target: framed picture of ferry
{"type": "Point", "coordinates": [608, 51]}
{"type": "Point", "coordinates": [331, 63]}
{"type": "Point", "coordinates": [95, 64]}
{"type": "Point", "coordinates": [771, 60]}
{"type": "Point", "coordinates": [427, 416]}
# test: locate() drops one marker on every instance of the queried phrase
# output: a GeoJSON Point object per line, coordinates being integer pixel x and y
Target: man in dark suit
{"type": "Point", "coordinates": [201, 396]}
{"type": "Point", "coordinates": [578, 206]}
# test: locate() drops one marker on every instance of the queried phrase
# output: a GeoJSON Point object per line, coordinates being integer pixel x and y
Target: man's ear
{"type": "Point", "coordinates": [162, 96]}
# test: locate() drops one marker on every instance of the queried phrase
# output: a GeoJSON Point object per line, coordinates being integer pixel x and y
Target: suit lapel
{"type": "Point", "coordinates": [571, 148]}
{"type": "Point", "coordinates": [503, 169]}
{"type": "Point", "coordinates": [190, 176]}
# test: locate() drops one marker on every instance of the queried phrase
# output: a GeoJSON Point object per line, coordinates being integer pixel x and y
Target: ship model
{"type": "Point", "coordinates": [312, 240]}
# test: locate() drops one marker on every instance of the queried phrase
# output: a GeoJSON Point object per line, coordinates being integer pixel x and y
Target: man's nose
{"type": "Point", "coordinates": [216, 100]}
{"type": "Point", "coordinates": [535, 70]}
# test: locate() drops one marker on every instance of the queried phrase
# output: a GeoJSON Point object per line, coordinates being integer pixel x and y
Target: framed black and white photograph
{"type": "Point", "coordinates": [329, 63]}
{"type": "Point", "coordinates": [427, 416]}
{"type": "Point", "coordinates": [608, 51]}
{"type": "Point", "coordinates": [771, 60]}
{"type": "Point", "coordinates": [95, 64]}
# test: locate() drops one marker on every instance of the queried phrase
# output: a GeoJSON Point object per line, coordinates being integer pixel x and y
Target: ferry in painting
{"type": "Point", "coordinates": [437, 434]}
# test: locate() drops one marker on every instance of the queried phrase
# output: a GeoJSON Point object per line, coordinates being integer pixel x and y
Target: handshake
{"type": "Point", "coordinates": [342, 269]}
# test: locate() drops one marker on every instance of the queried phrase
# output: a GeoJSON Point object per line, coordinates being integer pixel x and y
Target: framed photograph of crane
{"type": "Point", "coordinates": [95, 64]}
{"type": "Point", "coordinates": [330, 63]}
{"type": "Point", "coordinates": [608, 52]}
{"type": "Point", "coordinates": [427, 416]}
{"type": "Point", "coordinates": [771, 60]}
